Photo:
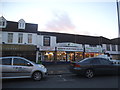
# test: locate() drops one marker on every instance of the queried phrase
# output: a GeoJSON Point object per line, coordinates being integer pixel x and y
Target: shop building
{"type": "Point", "coordinates": [113, 48]}
{"type": "Point", "coordinates": [69, 51]}
{"type": "Point", "coordinates": [92, 45]}
{"type": "Point", "coordinates": [22, 39]}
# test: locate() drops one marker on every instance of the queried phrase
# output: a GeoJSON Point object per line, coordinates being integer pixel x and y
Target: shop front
{"type": "Point", "coordinates": [68, 54]}
{"type": "Point", "coordinates": [46, 54]}
{"type": "Point", "coordinates": [93, 51]}
{"type": "Point", "coordinates": [26, 51]}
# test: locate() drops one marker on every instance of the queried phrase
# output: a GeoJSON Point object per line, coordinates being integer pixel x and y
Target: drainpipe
{"type": "Point", "coordinates": [55, 55]}
{"type": "Point", "coordinates": [83, 51]}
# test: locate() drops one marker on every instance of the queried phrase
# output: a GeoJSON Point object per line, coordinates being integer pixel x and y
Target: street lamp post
{"type": "Point", "coordinates": [118, 12]}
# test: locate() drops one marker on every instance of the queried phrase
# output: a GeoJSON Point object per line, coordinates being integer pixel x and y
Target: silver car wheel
{"type": "Point", "coordinates": [89, 73]}
{"type": "Point", "coordinates": [37, 76]}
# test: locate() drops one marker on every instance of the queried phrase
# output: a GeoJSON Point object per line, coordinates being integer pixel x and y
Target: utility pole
{"type": "Point", "coordinates": [118, 12]}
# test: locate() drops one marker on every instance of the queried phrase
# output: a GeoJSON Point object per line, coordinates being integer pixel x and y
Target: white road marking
{"type": "Point", "coordinates": [63, 79]}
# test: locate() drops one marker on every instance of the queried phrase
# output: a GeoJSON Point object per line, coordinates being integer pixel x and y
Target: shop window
{"type": "Point", "coordinates": [61, 56]}
{"type": "Point", "coordinates": [48, 56]}
{"type": "Point", "coordinates": [10, 37]}
{"type": "Point", "coordinates": [78, 56]}
{"type": "Point", "coordinates": [20, 38]}
{"type": "Point", "coordinates": [113, 48]}
{"type": "Point", "coordinates": [29, 38]}
{"type": "Point", "coordinates": [46, 41]}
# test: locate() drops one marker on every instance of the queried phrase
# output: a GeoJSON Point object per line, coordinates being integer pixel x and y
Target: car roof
{"type": "Point", "coordinates": [12, 57]}
{"type": "Point", "coordinates": [95, 57]}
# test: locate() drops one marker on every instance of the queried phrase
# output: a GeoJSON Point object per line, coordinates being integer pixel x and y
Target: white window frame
{"type": "Point", "coordinates": [29, 38]}
{"type": "Point", "coordinates": [20, 38]}
{"type": "Point", "coordinates": [10, 37]}
{"type": "Point", "coordinates": [21, 24]}
{"type": "Point", "coordinates": [3, 22]}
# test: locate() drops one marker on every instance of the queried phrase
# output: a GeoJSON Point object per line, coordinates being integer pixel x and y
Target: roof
{"type": "Point", "coordinates": [13, 27]}
{"type": "Point", "coordinates": [75, 38]}
{"type": "Point", "coordinates": [116, 41]}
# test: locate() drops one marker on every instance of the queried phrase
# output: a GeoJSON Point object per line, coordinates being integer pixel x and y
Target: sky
{"type": "Point", "coordinates": [83, 17]}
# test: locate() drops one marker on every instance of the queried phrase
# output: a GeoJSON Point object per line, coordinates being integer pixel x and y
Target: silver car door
{"type": "Point", "coordinates": [6, 67]}
{"type": "Point", "coordinates": [21, 67]}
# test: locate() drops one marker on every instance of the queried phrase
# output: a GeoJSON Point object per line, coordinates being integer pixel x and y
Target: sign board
{"type": "Point", "coordinates": [16, 47]}
{"type": "Point", "coordinates": [47, 48]}
{"type": "Point", "coordinates": [70, 49]}
{"type": "Point", "coordinates": [93, 49]}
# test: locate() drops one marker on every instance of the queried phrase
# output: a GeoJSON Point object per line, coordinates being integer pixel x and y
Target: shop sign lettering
{"type": "Point", "coordinates": [46, 48]}
{"type": "Point", "coordinates": [93, 49]}
{"type": "Point", "coordinates": [69, 49]}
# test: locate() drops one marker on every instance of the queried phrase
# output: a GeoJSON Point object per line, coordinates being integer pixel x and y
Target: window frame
{"type": "Point", "coordinates": [108, 47]}
{"type": "Point", "coordinates": [113, 47]}
{"type": "Point", "coordinates": [10, 37]}
{"type": "Point", "coordinates": [7, 64]}
{"type": "Point", "coordinates": [29, 38]}
{"type": "Point", "coordinates": [25, 61]}
{"type": "Point", "coordinates": [118, 47]}
{"type": "Point", "coordinates": [3, 22]}
{"type": "Point", "coordinates": [20, 38]}
{"type": "Point", "coordinates": [95, 59]}
{"type": "Point", "coordinates": [46, 41]}
{"type": "Point", "coordinates": [103, 59]}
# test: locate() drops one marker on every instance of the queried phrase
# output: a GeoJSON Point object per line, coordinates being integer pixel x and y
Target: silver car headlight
{"type": "Point", "coordinates": [41, 66]}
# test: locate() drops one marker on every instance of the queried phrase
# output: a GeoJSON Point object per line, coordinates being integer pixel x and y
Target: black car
{"type": "Point", "coordinates": [94, 66]}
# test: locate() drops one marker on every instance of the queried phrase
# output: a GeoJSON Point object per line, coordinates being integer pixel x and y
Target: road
{"type": "Point", "coordinates": [64, 81]}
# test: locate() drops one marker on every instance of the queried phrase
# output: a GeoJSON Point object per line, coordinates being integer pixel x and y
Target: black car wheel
{"type": "Point", "coordinates": [37, 76]}
{"type": "Point", "coordinates": [89, 73]}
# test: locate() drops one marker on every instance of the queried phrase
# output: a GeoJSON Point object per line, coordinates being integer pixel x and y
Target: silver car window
{"type": "Point", "coordinates": [6, 61]}
{"type": "Point", "coordinates": [20, 62]}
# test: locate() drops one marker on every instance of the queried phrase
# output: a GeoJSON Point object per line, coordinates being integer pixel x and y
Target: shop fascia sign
{"type": "Point", "coordinates": [47, 48]}
{"type": "Point", "coordinates": [93, 49]}
{"type": "Point", "coordinates": [16, 47]}
{"type": "Point", "coordinates": [70, 49]}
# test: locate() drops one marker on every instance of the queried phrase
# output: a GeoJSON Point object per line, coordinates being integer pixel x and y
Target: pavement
{"type": "Point", "coordinates": [56, 69]}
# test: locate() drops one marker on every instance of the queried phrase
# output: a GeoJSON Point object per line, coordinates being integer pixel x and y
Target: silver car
{"type": "Point", "coordinates": [18, 67]}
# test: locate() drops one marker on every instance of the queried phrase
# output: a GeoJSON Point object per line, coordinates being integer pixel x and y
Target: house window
{"type": "Point", "coordinates": [20, 38]}
{"type": "Point", "coordinates": [2, 22]}
{"type": "Point", "coordinates": [93, 45]}
{"type": "Point", "coordinates": [118, 47]}
{"type": "Point", "coordinates": [113, 48]}
{"type": "Point", "coordinates": [21, 24]}
{"type": "Point", "coordinates": [10, 37]}
{"type": "Point", "coordinates": [108, 47]}
{"type": "Point", "coordinates": [29, 38]}
{"type": "Point", "coordinates": [46, 41]}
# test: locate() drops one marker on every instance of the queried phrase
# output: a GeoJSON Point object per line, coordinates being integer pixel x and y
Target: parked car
{"type": "Point", "coordinates": [117, 62]}
{"type": "Point", "coordinates": [18, 67]}
{"type": "Point", "coordinates": [90, 67]}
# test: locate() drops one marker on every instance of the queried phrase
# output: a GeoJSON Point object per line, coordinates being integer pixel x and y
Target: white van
{"type": "Point", "coordinates": [18, 67]}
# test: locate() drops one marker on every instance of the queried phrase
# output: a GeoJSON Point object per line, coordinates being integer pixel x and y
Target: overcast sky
{"type": "Point", "coordinates": [96, 18]}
